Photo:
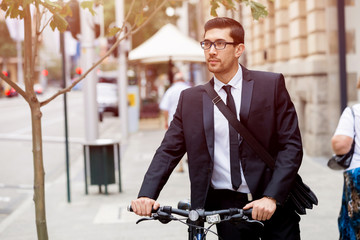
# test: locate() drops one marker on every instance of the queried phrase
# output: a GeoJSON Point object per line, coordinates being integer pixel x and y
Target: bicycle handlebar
{"type": "Point", "coordinates": [195, 219]}
{"type": "Point", "coordinates": [185, 213]}
{"type": "Point", "coordinates": [210, 216]}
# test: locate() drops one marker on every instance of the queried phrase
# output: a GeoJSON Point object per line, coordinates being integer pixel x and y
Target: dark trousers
{"type": "Point", "coordinates": [283, 225]}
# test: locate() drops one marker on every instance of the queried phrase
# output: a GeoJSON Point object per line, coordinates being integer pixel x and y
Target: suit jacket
{"type": "Point", "coordinates": [269, 114]}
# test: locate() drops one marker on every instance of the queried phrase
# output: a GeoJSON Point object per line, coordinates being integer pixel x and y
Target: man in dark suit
{"type": "Point", "coordinates": [263, 105]}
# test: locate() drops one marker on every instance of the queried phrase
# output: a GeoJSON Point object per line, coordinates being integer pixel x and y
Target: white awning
{"type": "Point", "coordinates": [168, 43]}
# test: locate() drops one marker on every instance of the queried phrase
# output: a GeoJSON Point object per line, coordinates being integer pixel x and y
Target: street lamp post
{"type": "Point", "coordinates": [122, 72]}
{"type": "Point", "coordinates": [63, 54]}
{"type": "Point", "coordinates": [87, 58]}
{"type": "Point", "coordinates": [342, 53]}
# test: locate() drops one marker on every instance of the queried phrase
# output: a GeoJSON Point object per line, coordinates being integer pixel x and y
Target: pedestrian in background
{"type": "Point", "coordinates": [169, 103]}
{"type": "Point", "coordinates": [347, 131]}
{"type": "Point", "coordinates": [225, 172]}
{"type": "Point", "coordinates": [170, 99]}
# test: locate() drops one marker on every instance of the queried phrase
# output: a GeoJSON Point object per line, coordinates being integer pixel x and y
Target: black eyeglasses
{"type": "Point", "coordinates": [219, 44]}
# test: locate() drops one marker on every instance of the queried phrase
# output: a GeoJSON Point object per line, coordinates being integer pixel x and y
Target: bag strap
{"type": "Point", "coordinates": [239, 127]}
{"type": "Point", "coordinates": [353, 143]}
{"type": "Point", "coordinates": [352, 111]}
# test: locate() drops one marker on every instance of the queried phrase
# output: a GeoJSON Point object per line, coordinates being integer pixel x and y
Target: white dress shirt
{"type": "Point", "coordinates": [221, 177]}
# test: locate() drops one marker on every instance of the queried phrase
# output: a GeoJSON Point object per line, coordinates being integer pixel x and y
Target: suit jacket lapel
{"type": "Point", "coordinates": [246, 95]}
{"type": "Point", "coordinates": [208, 120]}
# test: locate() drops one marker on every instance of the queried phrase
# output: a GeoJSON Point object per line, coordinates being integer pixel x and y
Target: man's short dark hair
{"type": "Point", "coordinates": [236, 29]}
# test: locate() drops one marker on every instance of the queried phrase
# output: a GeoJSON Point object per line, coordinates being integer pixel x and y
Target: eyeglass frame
{"type": "Point", "coordinates": [214, 44]}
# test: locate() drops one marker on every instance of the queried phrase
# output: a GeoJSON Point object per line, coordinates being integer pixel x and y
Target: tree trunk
{"type": "Point", "coordinates": [39, 174]}
{"type": "Point", "coordinates": [31, 98]}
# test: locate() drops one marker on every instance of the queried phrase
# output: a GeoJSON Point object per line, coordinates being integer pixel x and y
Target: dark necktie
{"type": "Point", "coordinates": [234, 143]}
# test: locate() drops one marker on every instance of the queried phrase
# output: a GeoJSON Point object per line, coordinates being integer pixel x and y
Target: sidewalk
{"type": "Point", "coordinates": [99, 216]}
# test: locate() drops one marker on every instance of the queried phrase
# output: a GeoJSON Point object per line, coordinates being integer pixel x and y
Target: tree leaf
{"type": "Point", "coordinates": [21, 14]}
{"type": "Point", "coordinates": [228, 4]}
{"type": "Point", "coordinates": [214, 6]}
{"type": "Point", "coordinates": [139, 19]}
{"type": "Point", "coordinates": [258, 10]}
{"type": "Point", "coordinates": [59, 22]}
{"type": "Point", "coordinates": [113, 31]}
{"type": "Point", "coordinates": [7, 12]}
{"type": "Point", "coordinates": [14, 12]}
{"type": "Point", "coordinates": [14, 9]}
{"type": "Point", "coordinates": [53, 25]}
{"type": "Point", "coordinates": [4, 5]}
{"type": "Point", "coordinates": [88, 5]}
{"type": "Point", "coordinates": [65, 11]}
{"type": "Point", "coordinates": [54, 5]}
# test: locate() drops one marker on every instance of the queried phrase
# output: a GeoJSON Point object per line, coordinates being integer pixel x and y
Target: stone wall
{"type": "Point", "coordinates": [294, 40]}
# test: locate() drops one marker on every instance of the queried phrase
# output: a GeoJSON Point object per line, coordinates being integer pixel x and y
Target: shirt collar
{"type": "Point", "coordinates": [235, 82]}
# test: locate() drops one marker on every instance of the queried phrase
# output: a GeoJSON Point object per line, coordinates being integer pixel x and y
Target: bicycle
{"type": "Point", "coordinates": [195, 219]}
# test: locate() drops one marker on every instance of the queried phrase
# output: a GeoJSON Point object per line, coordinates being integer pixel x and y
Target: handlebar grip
{"type": "Point", "coordinates": [248, 212]}
{"type": "Point", "coordinates": [129, 208]}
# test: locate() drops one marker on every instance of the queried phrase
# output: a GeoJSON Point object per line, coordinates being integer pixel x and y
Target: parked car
{"type": "Point", "coordinates": [38, 88]}
{"type": "Point", "coordinates": [107, 96]}
{"type": "Point", "coordinates": [10, 92]}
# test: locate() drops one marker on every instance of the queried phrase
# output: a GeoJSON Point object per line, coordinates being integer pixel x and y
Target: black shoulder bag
{"type": "Point", "coordinates": [341, 162]}
{"type": "Point", "coordinates": [300, 195]}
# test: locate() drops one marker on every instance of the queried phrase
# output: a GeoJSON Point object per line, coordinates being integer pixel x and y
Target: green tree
{"type": "Point", "coordinates": [137, 16]}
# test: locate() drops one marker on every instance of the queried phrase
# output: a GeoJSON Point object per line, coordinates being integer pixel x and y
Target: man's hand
{"type": "Point", "coordinates": [143, 206]}
{"type": "Point", "coordinates": [262, 209]}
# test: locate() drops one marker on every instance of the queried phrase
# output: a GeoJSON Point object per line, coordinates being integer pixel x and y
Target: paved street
{"type": "Point", "coordinates": [99, 216]}
{"type": "Point", "coordinates": [16, 172]}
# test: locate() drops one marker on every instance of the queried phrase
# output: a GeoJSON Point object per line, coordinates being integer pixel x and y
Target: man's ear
{"type": "Point", "coordinates": [239, 49]}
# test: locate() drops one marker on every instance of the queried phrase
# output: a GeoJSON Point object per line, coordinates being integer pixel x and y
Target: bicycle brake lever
{"type": "Point", "coordinates": [162, 217]}
{"type": "Point", "coordinates": [144, 219]}
{"type": "Point", "coordinates": [255, 221]}
{"type": "Point", "coordinates": [239, 218]}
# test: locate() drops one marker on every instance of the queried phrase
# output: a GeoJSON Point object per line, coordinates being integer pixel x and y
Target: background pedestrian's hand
{"type": "Point", "coordinates": [144, 205]}
{"type": "Point", "coordinates": [262, 209]}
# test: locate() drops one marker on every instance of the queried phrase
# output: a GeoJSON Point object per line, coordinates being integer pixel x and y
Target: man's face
{"type": "Point", "coordinates": [224, 61]}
